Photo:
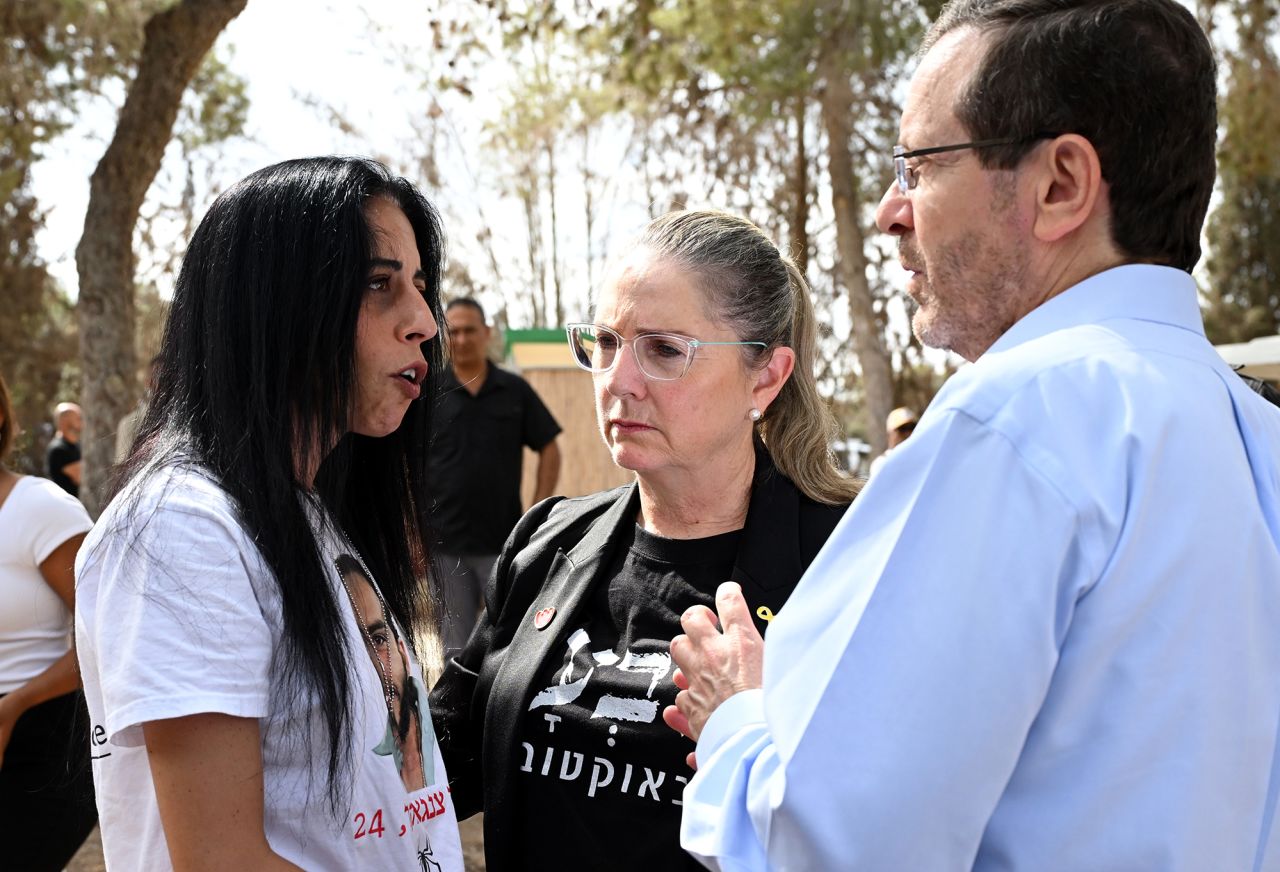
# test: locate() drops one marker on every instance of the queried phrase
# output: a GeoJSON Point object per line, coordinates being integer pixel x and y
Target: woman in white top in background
{"type": "Point", "coordinates": [252, 707]}
{"type": "Point", "coordinates": [46, 792]}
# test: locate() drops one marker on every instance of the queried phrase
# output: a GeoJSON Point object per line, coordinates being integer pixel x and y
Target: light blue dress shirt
{"type": "Point", "coordinates": [1045, 637]}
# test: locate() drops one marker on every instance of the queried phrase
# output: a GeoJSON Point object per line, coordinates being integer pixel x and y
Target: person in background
{"type": "Point", "coordinates": [487, 416]}
{"type": "Point", "coordinates": [899, 425]}
{"type": "Point", "coordinates": [46, 789]}
{"type": "Point", "coordinates": [1263, 389]}
{"type": "Point", "coordinates": [1045, 637]}
{"type": "Point", "coordinates": [129, 424]}
{"type": "Point", "coordinates": [62, 459]}
{"type": "Point", "coordinates": [702, 355]}
{"type": "Point", "coordinates": [238, 700]}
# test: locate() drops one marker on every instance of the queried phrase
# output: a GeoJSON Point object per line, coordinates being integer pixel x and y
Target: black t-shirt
{"type": "Point", "coordinates": [476, 459]}
{"type": "Point", "coordinates": [601, 775]}
{"type": "Point", "coordinates": [60, 455]}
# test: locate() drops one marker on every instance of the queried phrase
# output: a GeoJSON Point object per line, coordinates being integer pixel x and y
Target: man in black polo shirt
{"type": "Point", "coordinates": [486, 417]}
{"type": "Point", "coordinates": [63, 454]}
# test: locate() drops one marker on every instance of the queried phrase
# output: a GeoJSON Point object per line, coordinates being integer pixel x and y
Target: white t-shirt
{"type": "Point", "coordinates": [35, 626]}
{"type": "Point", "coordinates": [177, 614]}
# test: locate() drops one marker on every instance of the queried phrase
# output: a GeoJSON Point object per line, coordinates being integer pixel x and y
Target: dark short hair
{"type": "Point", "coordinates": [1137, 78]}
{"type": "Point", "coordinates": [468, 301]}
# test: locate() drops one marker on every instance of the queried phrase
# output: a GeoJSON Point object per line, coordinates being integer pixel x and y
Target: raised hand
{"type": "Point", "coordinates": [716, 659]}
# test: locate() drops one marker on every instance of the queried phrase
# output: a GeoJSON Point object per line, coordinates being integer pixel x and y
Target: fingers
{"type": "Point", "coordinates": [682, 654]}
{"type": "Point", "coordinates": [680, 680]}
{"type": "Point", "coordinates": [700, 621]}
{"type": "Point", "coordinates": [676, 720]}
{"type": "Point", "coordinates": [692, 717]}
{"type": "Point", "coordinates": [734, 613]}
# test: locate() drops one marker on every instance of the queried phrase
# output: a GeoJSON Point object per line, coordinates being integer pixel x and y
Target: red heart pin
{"type": "Point", "coordinates": [542, 617]}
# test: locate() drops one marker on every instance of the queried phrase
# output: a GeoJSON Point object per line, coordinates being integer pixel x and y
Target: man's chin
{"type": "Point", "coordinates": [933, 335]}
{"type": "Point", "coordinates": [925, 330]}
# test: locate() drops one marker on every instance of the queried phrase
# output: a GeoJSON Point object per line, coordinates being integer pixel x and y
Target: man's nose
{"type": "Point", "coordinates": [893, 215]}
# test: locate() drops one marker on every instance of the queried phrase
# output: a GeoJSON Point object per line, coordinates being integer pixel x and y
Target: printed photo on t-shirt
{"type": "Point", "coordinates": [409, 740]}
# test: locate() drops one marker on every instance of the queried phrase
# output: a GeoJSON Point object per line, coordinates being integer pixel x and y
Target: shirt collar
{"type": "Point", "coordinates": [1133, 291]}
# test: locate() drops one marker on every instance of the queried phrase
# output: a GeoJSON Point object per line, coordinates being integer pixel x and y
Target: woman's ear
{"type": "Point", "coordinates": [772, 376]}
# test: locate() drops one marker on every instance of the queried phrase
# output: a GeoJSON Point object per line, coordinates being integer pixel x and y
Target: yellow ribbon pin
{"type": "Point", "coordinates": [764, 613]}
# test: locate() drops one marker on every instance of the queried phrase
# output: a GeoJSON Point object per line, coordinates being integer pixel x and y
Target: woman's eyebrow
{"type": "Point", "coordinates": [640, 331]}
{"type": "Point", "coordinates": [396, 266]}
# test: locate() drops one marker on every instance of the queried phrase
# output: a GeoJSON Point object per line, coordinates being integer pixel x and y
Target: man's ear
{"type": "Point", "coordinates": [771, 378]}
{"type": "Point", "coordinates": [1069, 187]}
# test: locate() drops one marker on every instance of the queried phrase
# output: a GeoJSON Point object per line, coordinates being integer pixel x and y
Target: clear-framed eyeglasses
{"type": "Point", "coordinates": [660, 356]}
{"type": "Point", "coordinates": [905, 174]}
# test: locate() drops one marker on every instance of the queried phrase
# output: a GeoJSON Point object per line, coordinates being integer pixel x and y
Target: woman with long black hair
{"type": "Point", "coordinates": [245, 697]}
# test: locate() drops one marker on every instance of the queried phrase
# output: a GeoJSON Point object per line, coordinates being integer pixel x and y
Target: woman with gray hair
{"type": "Point", "coordinates": [702, 355]}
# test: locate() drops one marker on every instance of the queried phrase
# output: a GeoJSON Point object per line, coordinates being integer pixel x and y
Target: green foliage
{"type": "Point", "coordinates": [932, 8]}
{"type": "Point", "coordinates": [55, 55]}
{"type": "Point", "coordinates": [214, 110]}
{"type": "Point", "coordinates": [38, 336]}
{"type": "Point", "coordinates": [1244, 231]}
{"type": "Point", "coordinates": [215, 106]}
{"type": "Point", "coordinates": [555, 107]}
{"type": "Point", "coordinates": [734, 89]}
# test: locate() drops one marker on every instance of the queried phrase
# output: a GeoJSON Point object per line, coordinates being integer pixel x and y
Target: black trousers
{"type": "Point", "coordinates": [46, 787]}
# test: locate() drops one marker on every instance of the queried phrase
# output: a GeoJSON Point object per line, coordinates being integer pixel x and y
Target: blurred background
{"type": "Point", "coordinates": [547, 132]}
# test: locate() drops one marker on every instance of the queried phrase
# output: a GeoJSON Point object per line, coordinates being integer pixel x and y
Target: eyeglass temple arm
{"type": "Point", "coordinates": [981, 143]}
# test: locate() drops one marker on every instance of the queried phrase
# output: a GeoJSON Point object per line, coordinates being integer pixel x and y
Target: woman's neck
{"type": "Point", "coordinates": [687, 504]}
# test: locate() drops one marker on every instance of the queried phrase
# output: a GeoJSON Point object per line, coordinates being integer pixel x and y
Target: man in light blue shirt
{"type": "Point", "coordinates": [1047, 635]}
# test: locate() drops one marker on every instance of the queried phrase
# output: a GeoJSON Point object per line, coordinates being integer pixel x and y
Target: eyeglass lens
{"type": "Point", "coordinates": [902, 173]}
{"type": "Point", "coordinates": [660, 357]}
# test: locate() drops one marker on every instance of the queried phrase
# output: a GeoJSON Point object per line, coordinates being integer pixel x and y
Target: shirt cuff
{"type": "Point", "coordinates": [736, 713]}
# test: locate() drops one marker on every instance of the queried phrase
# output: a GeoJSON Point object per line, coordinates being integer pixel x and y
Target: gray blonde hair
{"type": "Point", "coordinates": [760, 294]}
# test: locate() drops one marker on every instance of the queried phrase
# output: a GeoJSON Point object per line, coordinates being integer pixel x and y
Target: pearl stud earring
{"type": "Point", "coordinates": [755, 414]}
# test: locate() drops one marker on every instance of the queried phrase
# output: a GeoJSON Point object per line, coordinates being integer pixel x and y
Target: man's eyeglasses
{"type": "Point", "coordinates": [906, 175]}
{"type": "Point", "coordinates": [660, 356]}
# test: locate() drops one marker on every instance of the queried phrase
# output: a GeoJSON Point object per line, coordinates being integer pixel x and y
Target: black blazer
{"type": "Point", "coordinates": [554, 558]}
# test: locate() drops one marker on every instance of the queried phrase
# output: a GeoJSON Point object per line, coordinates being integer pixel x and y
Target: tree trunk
{"type": "Point", "coordinates": [868, 343]}
{"type": "Point", "coordinates": [558, 302]}
{"type": "Point", "coordinates": [798, 217]}
{"type": "Point", "coordinates": [537, 269]}
{"type": "Point", "coordinates": [176, 41]}
{"type": "Point", "coordinates": [589, 210]}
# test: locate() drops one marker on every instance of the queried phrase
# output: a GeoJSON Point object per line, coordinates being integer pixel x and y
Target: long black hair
{"type": "Point", "coordinates": [257, 377]}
